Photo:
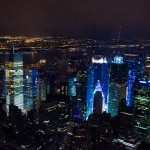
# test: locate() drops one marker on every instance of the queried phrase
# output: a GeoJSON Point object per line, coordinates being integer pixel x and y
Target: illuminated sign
{"type": "Point", "coordinates": [118, 60]}
{"type": "Point", "coordinates": [99, 61]}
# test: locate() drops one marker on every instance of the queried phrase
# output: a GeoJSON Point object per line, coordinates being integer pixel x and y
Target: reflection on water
{"type": "Point", "coordinates": [28, 58]}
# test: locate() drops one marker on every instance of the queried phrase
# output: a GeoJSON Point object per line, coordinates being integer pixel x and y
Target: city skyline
{"type": "Point", "coordinates": [74, 75]}
{"type": "Point", "coordinates": [94, 19]}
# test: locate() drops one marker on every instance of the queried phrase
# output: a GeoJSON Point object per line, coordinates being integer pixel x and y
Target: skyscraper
{"type": "Point", "coordinates": [97, 73]}
{"type": "Point", "coordinates": [41, 90]}
{"type": "Point", "coordinates": [135, 62]}
{"type": "Point", "coordinates": [142, 104]}
{"type": "Point", "coordinates": [117, 85]}
{"type": "Point", "coordinates": [30, 79]}
{"type": "Point", "coordinates": [98, 100]}
{"type": "Point", "coordinates": [81, 85]}
{"type": "Point", "coordinates": [14, 80]}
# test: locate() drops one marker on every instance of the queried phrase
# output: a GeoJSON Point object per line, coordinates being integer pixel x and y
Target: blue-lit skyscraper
{"type": "Point", "coordinates": [28, 94]}
{"type": "Point", "coordinates": [132, 75]}
{"type": "Point", "coordinates": [131, 60]}
{"type": "Point", "coordinates": [97, 73]}
{"type": "Point", "coordinates": [30, 79]}
{"type": "Point", "coordinates": [98, 103]}
{"type": "Point", "coordinates": [135, 69]}
{"type": "Point", "coordinates": [34, 81]}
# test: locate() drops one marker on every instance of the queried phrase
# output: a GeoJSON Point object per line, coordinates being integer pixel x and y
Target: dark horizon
{"type": "Point", "coordinates": [94, 19]}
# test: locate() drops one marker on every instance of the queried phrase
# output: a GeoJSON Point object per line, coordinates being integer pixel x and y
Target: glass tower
{"type": "Point", "coordinates": [117, 85]}
{"type": "Point", "coordinates": [142, 104]}
{"type": "Point", "coordinates": [97, 73]}
{"type": "Point", "coordinates": [14, 80]}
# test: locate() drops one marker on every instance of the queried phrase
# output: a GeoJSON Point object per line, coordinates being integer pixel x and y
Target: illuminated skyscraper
{"type": "Point", "coordinates": [135, 70]}
{"type": "Point", "coordinates": [142, 104]}
{"type": "Point", "coordinates": [14, 80]}
{"type": "Point", "coordinates": [97, 73]}
{"type": "Point", "coordinates": [34, 82]}
{"type": "Point", "coordinates": [98, 100]}
{"type": "Point", "coordinates": [30, 79]}
{"type": "Point", "coordinates": [117, 85]}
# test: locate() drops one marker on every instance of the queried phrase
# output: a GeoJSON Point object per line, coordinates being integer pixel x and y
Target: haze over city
{"type": "Point", "coordinates": [74, 75]}
{"type": "Point", "coordinates": [73, 18]}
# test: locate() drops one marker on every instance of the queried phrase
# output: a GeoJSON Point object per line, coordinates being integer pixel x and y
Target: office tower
{"type": "Point", "coordinates": [135, 70]}
{"type": "Point", "coordinates": [126, 131]}
{"type": "Point", "coordinates": [141, 65]}
{"type": "Point", "coordinates": [72, 85]}
{"type": "Point", "coordinates": [126, 116]}
{"type": "Point", "coordinates": [77, 92]}
{"type": "Point", "coordinates": [41, 90]}
{"type": "Point", "coordinates": [34, 83]}
{"type": "Point", "coordinates": [72, 94]}
{"type": "Point", "coordinates": [142, 104]}
{"type": "Point", "coordinates": [98, 72]}
{"type": "Point", "coordinates": [81, 84]}
{"type": "Point", "coordinates": [14, 80]}
{"type": "Point", "coordinates": [81, 89]}
{"type": "Point", "coordinates": [117, 84]}
{"type": "Point", "coordinates": [49, 81]}
{"type": "Point", "coordinates": [98, 100]}
{"type": "Point", "coordinates": [101, 131]}
{"type": "Point", "coordinates": [30, 79]}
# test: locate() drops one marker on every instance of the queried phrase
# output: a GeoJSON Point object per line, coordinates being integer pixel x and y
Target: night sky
{"type": "Point", "coordinates": [75, 18]}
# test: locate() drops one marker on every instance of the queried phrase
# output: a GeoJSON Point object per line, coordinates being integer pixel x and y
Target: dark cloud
{"type": "Point", "coordinates": [94, 18]}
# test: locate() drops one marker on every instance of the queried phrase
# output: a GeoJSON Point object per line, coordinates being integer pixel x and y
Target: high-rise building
{"type": "Point", "coordinates": [41, 91]}
{"type": "Point", "coordinates": [14, 80]}
{"type": "Point", "coordinates": [30, 79]}
{"type": "Point", "coordinates": [81, 89]}
{"type": "Point", "coordinates": [98, 100]}
{"type": "Point", "coordinates": [101, 131]}
{"type": "Point", "coordinates": [34, 82]}
{"type": "Point", "coordinates": [142, 104]}
{"type": "Point", "coordinates": [72, 86]}
{"type": "Point", "coordinates": [81, 84]}
{"type": "Point", "coordinates": [126, 131]}
{"type": "Point", "coordinates": [98, 72]}
{"type": "Point", "coordinates": [117, 84]}
{"type": "Point", "coordinates": [136, 63]}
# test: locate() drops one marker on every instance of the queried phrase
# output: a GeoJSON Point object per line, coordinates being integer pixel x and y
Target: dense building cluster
{"type": "Point", "coordinates": [58, 93]}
